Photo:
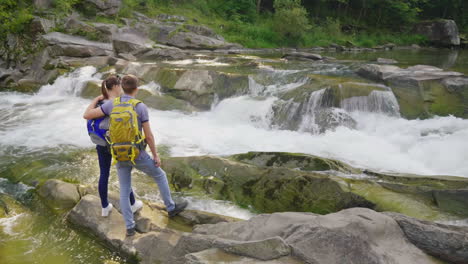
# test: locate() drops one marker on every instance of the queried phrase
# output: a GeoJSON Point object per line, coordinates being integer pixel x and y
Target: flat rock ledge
{"type": "Point", "coordinates": [356, 235]}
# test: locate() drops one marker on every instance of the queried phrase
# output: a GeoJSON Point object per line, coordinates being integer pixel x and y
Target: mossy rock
{"type": "Point", "coordinates": [266, 189]}
{"type": "Point", "coordinates": [27, 86]}
{"type": "Point", "coordinates": [164, 102]}
{"type": "Point", "coordinates": [91, 89]}
{"type": "Point", "coordinates": [299, 161]}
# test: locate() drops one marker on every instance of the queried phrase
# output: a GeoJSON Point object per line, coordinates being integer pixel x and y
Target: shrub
{"type": "Point", "coordinates": [290, 18]}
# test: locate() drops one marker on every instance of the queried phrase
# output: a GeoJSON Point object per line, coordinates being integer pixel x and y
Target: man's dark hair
{"type": "Point", "coordinates": [129, 83]}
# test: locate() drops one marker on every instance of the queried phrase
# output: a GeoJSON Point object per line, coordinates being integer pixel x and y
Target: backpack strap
{"type": "Point", "coordinates": [135, 102]}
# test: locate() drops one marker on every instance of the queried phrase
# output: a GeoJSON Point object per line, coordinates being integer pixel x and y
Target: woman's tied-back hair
{"type": "Point", "coordinates": [129, 83]}
{"type": "Point", "coordinates": [108, 84]}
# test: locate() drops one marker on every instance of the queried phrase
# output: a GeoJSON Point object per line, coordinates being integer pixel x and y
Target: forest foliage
{"type": "Point", "coordinates": [270, 23]}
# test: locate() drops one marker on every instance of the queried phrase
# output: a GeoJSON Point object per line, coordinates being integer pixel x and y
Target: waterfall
{"type": "Point", "coordinates": [376, 102]}
{"type": "Point", "coordinates": [308, 123]}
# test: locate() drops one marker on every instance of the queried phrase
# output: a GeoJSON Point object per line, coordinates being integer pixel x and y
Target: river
{"type": "Point", "coordinates": [43, 136]}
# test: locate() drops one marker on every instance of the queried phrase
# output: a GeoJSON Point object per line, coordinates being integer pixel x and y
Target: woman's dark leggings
{"type": "Point", "coordinates": [105, 161]}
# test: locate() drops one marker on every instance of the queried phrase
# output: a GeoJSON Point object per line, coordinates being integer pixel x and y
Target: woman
{"type": "Point", "coordinates": [110, 89]}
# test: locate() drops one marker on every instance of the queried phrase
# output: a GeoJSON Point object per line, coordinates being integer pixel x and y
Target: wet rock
{"type": "Point", "coordinates": [456, 84]}
{"type": "Point", "coordinates": [27, 85]}
{"type": "Point", "coordinates": [421, 90]}
{"type": "Point", "coordinates": [453, 201]}
{"type": "Point", "coordinates": [441, 32]}
{"type": "Point", "coordinates": [330, 119]}
{"type": "Point", "coordinates": [302, 55]}
{"type": "Point", "coordinates": [60, 194]}
{"type": "Point", "coordinates": [104, 7]}
{"type": "Point", "coordinates": [91, 89]}
{"type": "Point", "coordinates": [386, 61]}
{"type": "Point", "coordinates": [442, 241]}
{"type": "Point", "coordinates": [352, 235]}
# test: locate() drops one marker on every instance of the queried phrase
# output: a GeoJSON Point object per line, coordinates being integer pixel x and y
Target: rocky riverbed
{"type": "Point", "coordinates": [357, 235]}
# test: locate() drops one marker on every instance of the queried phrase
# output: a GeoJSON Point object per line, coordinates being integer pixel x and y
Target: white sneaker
{"type": "Point", "coordinates": [136, 206]}
{"type": "Point", "coordinates": [106, 211]}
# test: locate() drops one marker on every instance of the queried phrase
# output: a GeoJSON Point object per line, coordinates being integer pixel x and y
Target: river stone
{"type": "Point", "coordinates": [200, 218]}
{"type": "Point", "coordinates": [59, 193]}
{"type": "Point", "coordinates": [442, 32]}
{"type": "Point", "coordinates": [213, 256]}
{"type": "Point", "coordinates": [302, 55]}
{"type": "Point", "coordinates": [268, 249]}
{"type": "Point", "coordinates": [449, 243]}
{"type": "Point", "coordinates": [198, 81]}
{"type": "Point", "coordinates": [356, 235]}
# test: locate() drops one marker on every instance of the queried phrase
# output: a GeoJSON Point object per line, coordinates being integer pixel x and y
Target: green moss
{"type": "Point", "coordinates": [267, 190]}
{"type": "Point", "coordinates": [294, 161]}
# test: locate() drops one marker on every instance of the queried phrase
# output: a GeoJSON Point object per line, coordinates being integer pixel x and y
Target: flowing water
{"type": "Point", "coordinates": [43, 136]}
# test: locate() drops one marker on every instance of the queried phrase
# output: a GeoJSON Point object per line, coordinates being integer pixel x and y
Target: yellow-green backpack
{"type": "Point", "coordinates": [124, 136]}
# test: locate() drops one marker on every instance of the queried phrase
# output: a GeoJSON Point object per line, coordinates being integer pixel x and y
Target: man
{"type": "Point", "coordinates": [143, 162]}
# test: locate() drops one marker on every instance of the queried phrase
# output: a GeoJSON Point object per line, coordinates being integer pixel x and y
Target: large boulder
{"type": "Point", "coordinates": [59, 194]}
{"type": "Point", "coordinates": [421, 90]}
{"type": "Point", "coordinates": [441, 32]}
{"type": "Point", "coordinates": [41, 25]}
{"type": "Point", "coordinates": [271, 189]}
{"type": "Point", "coordinates": [128, 40]}
{"type": "Point", "coordinates": [150, 247]}
{"type": "Point", "coordinates": [316, 106]}
{"type": "Point", "coordinates": [73, 46]}
{"type": "Point", "coordinates": [355, 235]}
{"type": "Point", "coordinates": [446, 242]}
{"type": "Point", "coordinates": [199, 87]}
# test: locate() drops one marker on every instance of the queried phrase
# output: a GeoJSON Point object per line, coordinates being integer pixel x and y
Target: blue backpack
{"type": "Point", "coordinates": [97, 129]}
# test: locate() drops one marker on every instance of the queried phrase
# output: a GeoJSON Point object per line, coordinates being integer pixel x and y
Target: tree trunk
{"type": "Point", "coordinates": [259, 4]}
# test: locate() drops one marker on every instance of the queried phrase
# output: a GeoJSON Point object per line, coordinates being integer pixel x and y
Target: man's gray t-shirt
{"type": "Point", "coordinates": [141, 110]}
